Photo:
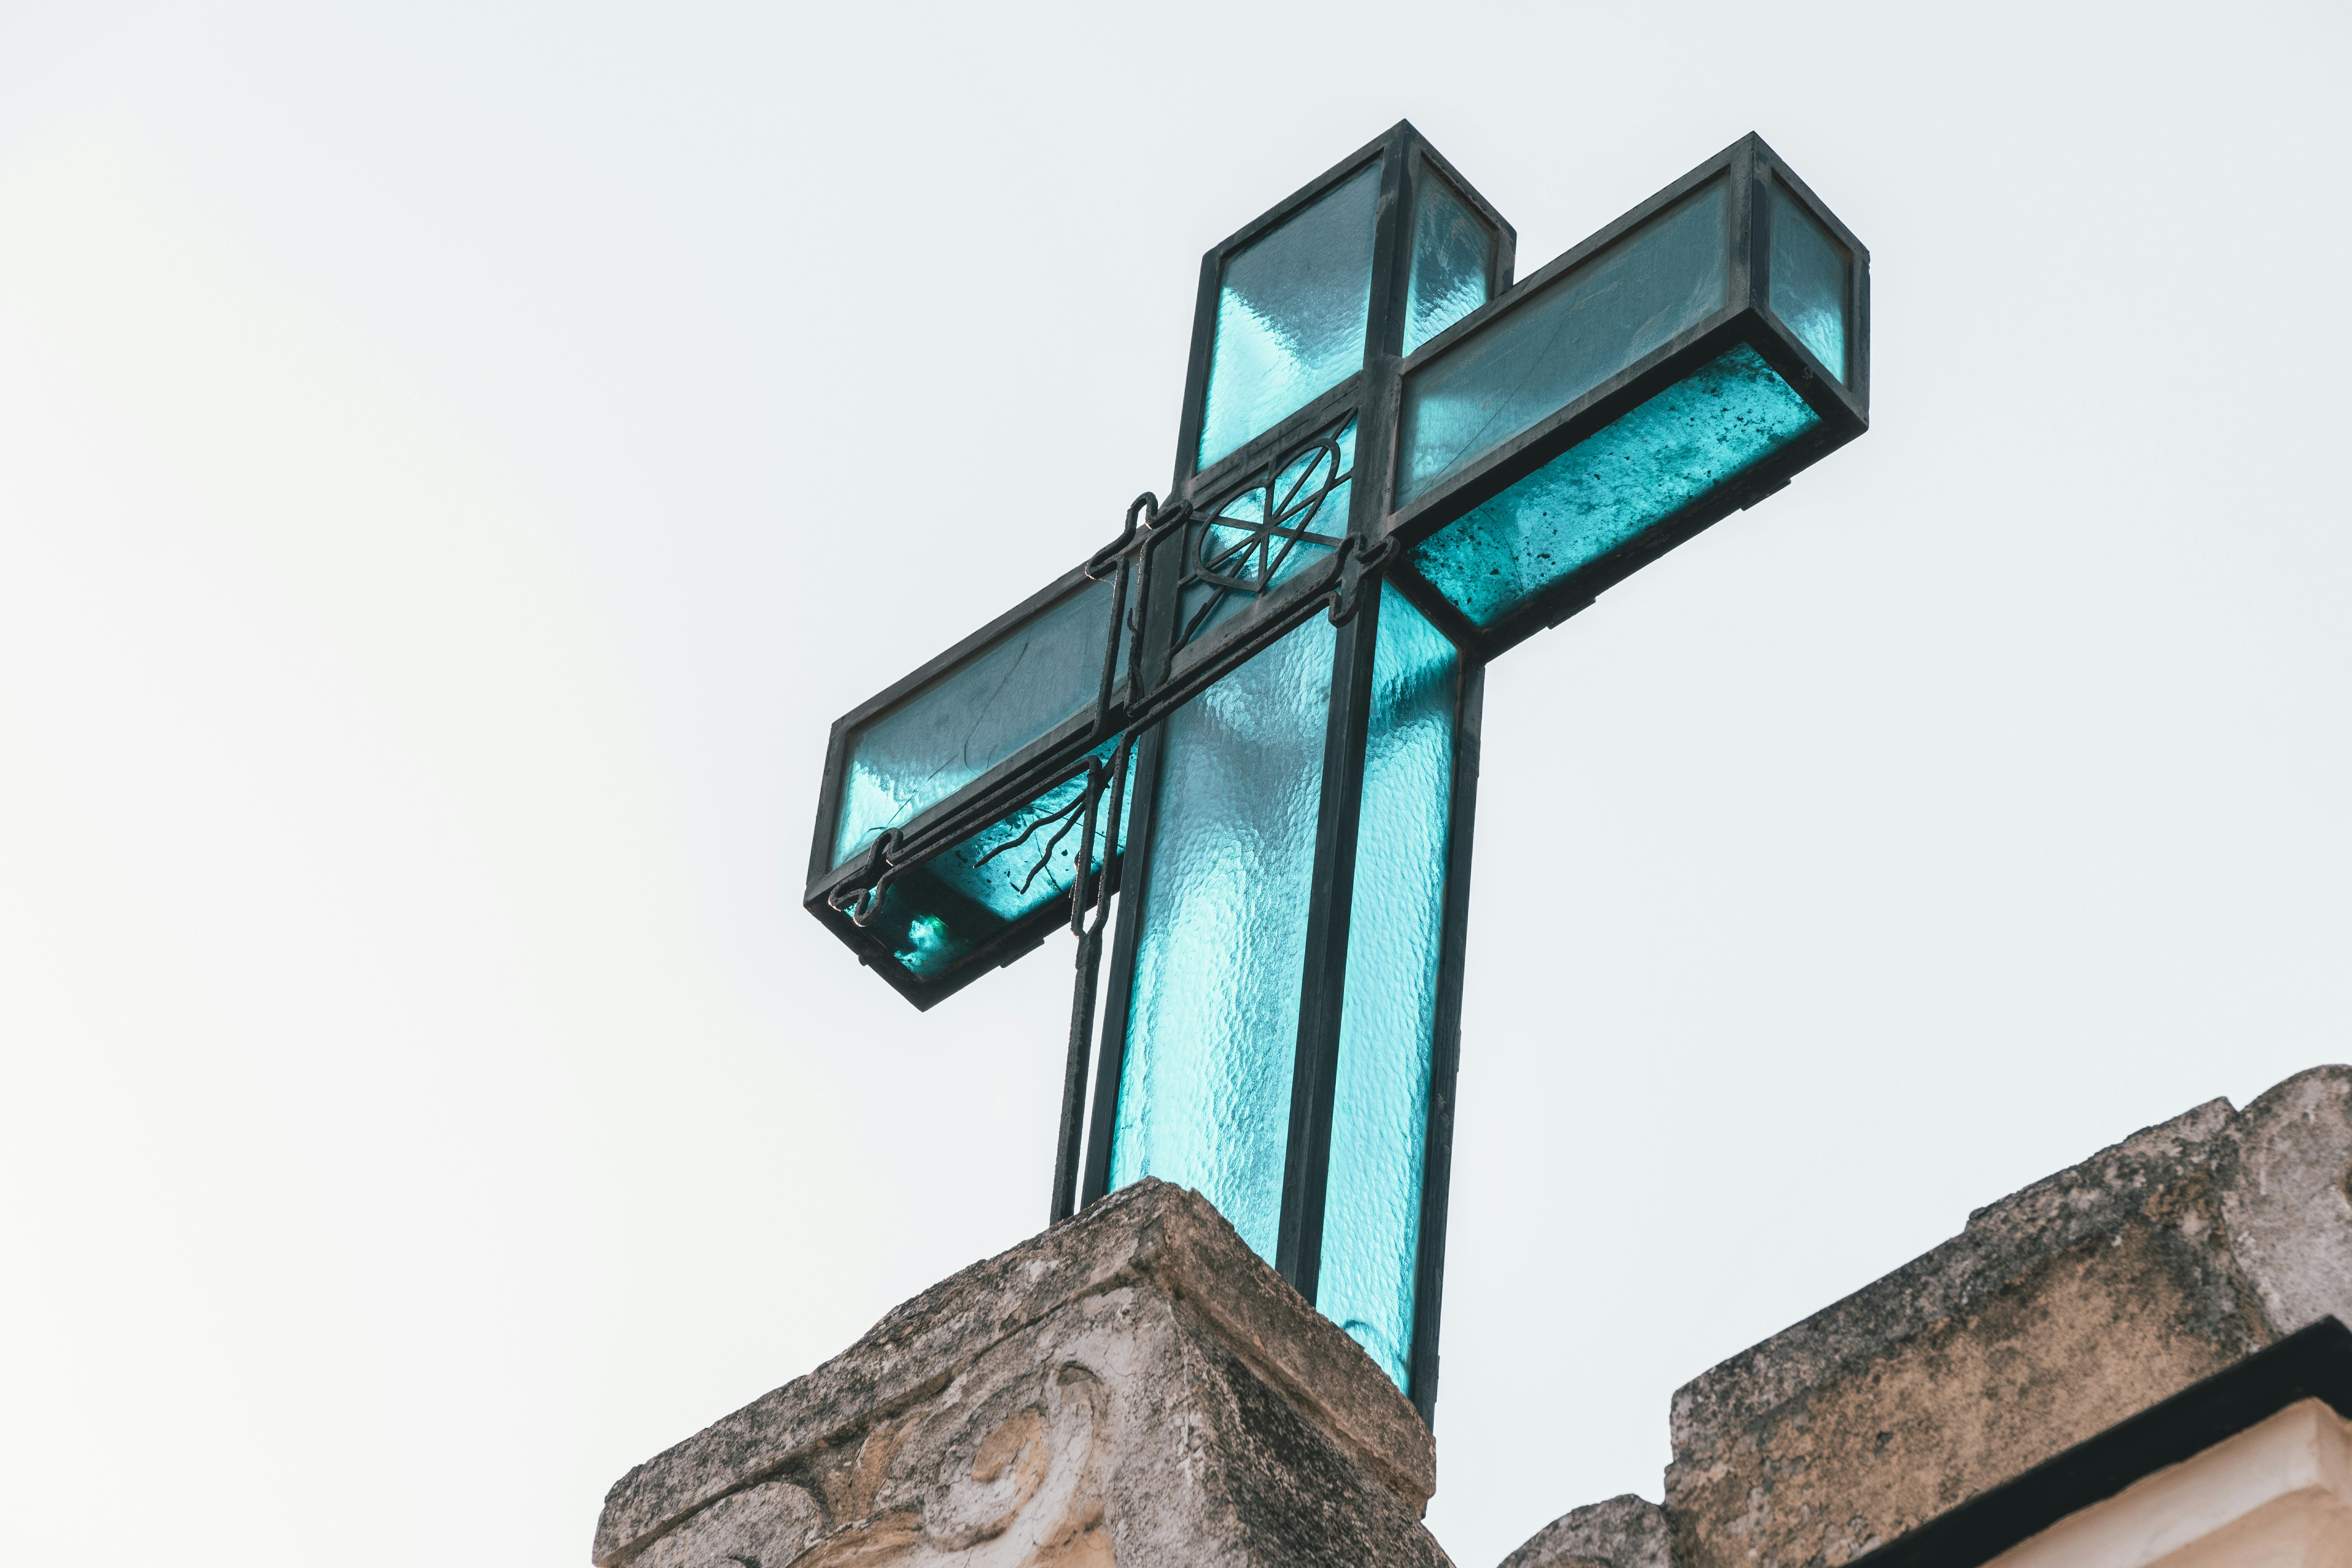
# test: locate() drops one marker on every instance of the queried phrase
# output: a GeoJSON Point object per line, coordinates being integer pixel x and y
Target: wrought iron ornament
{"type": "Point", "coordinates": [1253, 714]}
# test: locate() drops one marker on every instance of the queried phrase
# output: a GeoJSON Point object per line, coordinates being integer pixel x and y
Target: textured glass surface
{"type": "Point", "coordinates": [1290, 316]}
{"type": "Point", "coordinates": [950, 905]}
{"type": "Point", "coordinates": [1379, 1112]}
{"type": "Point", "coordinates": [1663, 277]}
{"type": "Point", "coordinates": [1239, 561]}
{"type": "Point", "coordinates": [1039, 674]}
{"type": "Point", "coordinates": [1809, 278]}
{"type": "Point", "coordinates": [1610, 487]}
{"type": "Point", "coordinates": [1452, 252]}
{"type": "Point", "coordinates": [1212, 1026]}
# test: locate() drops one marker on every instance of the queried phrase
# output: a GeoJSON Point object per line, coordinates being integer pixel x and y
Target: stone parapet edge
{"type": "Point", "coordinates": [1999, 1242]}
{"type": "Point", "coordinates": [1186, 1249]}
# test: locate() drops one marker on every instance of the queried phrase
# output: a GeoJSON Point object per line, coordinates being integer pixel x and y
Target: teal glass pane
{"type": "Point", "coordinates": [1809, 281]}
{"type": "Point", "coordinates": [938, 913]}
{"type": "Point", "coordinates": [1380, 1111]}
{"type": "Point", "coordinates": [1291, 310]}
{"type": "Point", "coordinates": [1017, 689]}
{"type": "Point", "coordinates": [1610, 487]}
{"type": "Point", "coordinates": [1631, 299]}
{"type": "Point", "coordinates": [1453, 252]}
{"type": "Point", "coordinates": [1212, 1022]}
{"type": "Point", "coordinates": [1247, 556]}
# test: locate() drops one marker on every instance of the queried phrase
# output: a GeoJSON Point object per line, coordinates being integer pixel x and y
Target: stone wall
{"type": "Point", "coordinates": [2057, 1312]}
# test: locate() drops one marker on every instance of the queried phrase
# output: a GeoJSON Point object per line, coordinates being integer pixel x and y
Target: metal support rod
{"type": "Point", "coordinates": [1074, 1077]}
{"type": "Point", "coordinates": [1104, 779]}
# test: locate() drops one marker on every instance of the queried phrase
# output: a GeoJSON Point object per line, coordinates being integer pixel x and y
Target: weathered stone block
{"type": "Point", "coordinates": [1626, 1531]}
{"type": "Point", "coordinates": [2057, 1312]}
{"type": "Point", "coordinates": [1134, 1386]}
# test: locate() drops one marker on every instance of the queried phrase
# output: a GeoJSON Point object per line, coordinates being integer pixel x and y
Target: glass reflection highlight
{"type": "Point", "coordinates": [954, 902]}
{"type": "Point", "coordinates": [1291, 313]}
{"type": "Point", "coordinates": [1809, 281]}
{"type": "Point", "coordinates": [1453, 253]}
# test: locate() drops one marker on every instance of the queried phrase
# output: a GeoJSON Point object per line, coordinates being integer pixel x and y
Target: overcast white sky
{"type": "Point", "coordinates": [456, 460]}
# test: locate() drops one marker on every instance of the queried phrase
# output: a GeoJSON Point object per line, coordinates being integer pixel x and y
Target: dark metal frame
{"type": "Point", "coordinates": [1165, 669]}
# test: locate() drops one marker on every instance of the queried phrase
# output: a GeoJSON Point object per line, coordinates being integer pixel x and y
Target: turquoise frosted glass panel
{"type": "Point", "coordinates": [1291, 310]}
{"type": "Point", "coordinates": [1379, 1112]}
{"type": "Point", "coordinates": [1610, 487]}
{"type": "Point", "coordinates": [1310, 492]}
{"type": "Point", "coordinates": [1663, 279]}
{"type": "Point", "coordinates": [1212, 1026]}
{"type": "Point", "coordinates": [941, 911]}
{"type": "Point", "coordinates": [1809, 281]}
{"type": "Point", "coordinates": [1017, 689]}
{"type": "Point", "coordinates": [1452, 251]}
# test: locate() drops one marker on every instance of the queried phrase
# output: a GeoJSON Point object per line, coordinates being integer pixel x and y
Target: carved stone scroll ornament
{"type": "Point", "coordinates": [1022, 1486]}
{"type": "Point", "coordinates": [1015, 1484]}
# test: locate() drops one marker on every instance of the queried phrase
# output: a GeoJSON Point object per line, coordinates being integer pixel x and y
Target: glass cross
{"type": "Point", "coordinates": [1254, 714]}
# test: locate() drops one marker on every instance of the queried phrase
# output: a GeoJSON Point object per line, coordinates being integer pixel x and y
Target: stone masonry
{"type": "Point", "coordinates": [2057, 1312]}
{"type": "Point", "coordinates": [1134, 1386]}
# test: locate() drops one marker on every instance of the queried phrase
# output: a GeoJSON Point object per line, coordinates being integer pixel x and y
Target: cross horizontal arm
{"type": "Point", "coordinates": [1034, 790]}
{"type": "Point", "coordinates": [1679, 365]}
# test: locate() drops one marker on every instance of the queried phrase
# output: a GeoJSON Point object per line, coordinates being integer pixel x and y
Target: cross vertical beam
{"type": "Point", "coordinates": [1317, 1011]}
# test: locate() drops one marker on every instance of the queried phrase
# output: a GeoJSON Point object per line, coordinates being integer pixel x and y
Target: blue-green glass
{"type": "Point", "coordinates": [1038, 676]}
{"type": "Point", "coordinates": [1809, 281]}
{"type": "Point", "coordinates": [1311, 492]}
{"type": "Point", "coordinates": [1452, 251]}
{"type": "Point", "coordinates": [1632, 298]}
{"type": "Point", "coordinates": [952, 904]}
{"type": "Point", "coordinates": [1212, 1024]}
{"type": "Point", "coordinates": [1613, 484]}
{"type": "Point", "coordinates": [1380, 1109]}
{"type": "Point", "coordinates": [1291, 310]}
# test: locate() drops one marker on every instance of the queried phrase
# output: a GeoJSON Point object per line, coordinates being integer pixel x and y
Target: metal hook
{"type": "Point", "coordinates": [861, 904]}
{"type": "Point", "coordinates": [1147, 506]}
{"type": "Point", "coordinates": [1357, 566]}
